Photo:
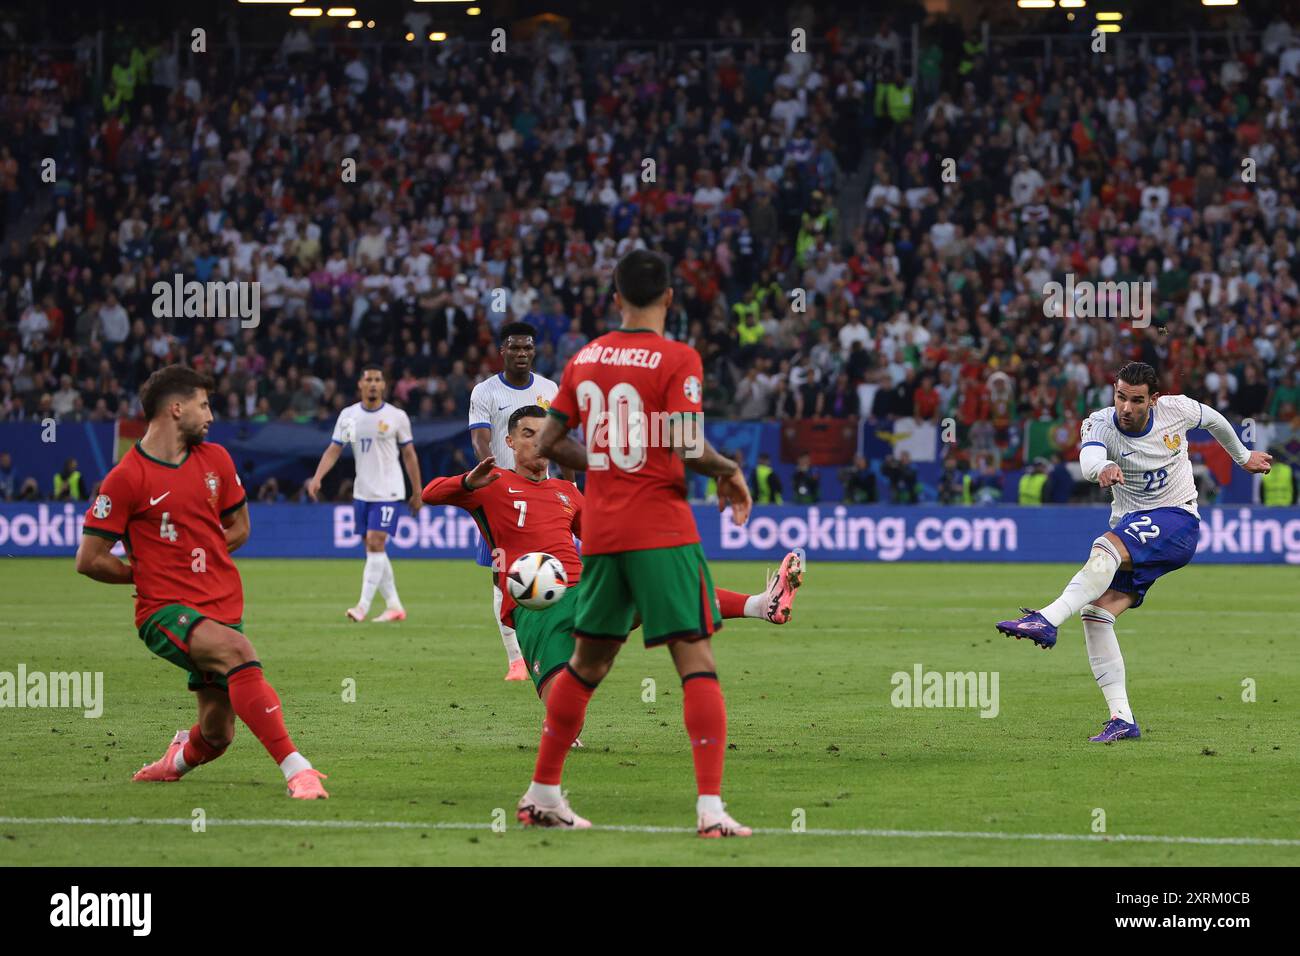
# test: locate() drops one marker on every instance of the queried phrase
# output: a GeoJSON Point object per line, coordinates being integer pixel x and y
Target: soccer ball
{"type": "Point", "coordinates": [537, 580]}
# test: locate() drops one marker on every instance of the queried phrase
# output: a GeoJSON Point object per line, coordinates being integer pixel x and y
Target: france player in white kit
{"type": "Point", "coordinates": [1138, 449]}
{"type": "Point", "coordinates": [491, 404]}
{"type": "Point", "coordinates": [380, 436]}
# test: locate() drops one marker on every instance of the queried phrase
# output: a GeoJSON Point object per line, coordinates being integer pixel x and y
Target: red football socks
{"type": "Point", "coordinates": [705, 713]}
{"type": "Point", "coordinates": [257, 705]}
{"type": "Point", "coordinates": [566, 710]}
{"type": "Point", "coordinates": [198, 751]}
{"type": "Point", "coordinates": [732, 603]}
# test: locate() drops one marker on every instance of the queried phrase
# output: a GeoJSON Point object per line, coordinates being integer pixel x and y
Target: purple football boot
{"type": "Point", "coordinates": [1033, 626]}
{"type": "Point", "coordinates": [1117, 728]}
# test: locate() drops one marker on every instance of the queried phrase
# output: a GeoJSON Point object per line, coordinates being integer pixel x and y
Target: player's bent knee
{"type": "Point", "coordinates": [242, 651]}
{"type": "Point", "coordinates": [219, 648]}
{"type": "Point", "coordinates": [592, 660]}
{"type": "Point", "coordinates": [591, 676]}
{"type": "Point", "coordinates": [1114, 602]}
{"type": "Point", "coordinates": [1104, 553]}
{"type": "Point", "coordinates": [1115, 543]}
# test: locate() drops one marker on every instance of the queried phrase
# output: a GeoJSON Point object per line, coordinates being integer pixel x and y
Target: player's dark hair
{"type": "Point", "coordinates": [517, 328]}
{"type": "Point", "coordinates": [528, 411]}
{"type": "Point", "coordinates": [371, 367]}
{"type": "Point", "coordinates": [641, 277]}
{"type": "Point", "coordinates": [1140, 373]}
{"type": "Point", "coordinates": [169, 382]}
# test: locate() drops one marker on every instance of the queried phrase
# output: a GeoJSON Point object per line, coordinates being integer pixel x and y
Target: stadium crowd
{"type": "Point", "coordinates": [825, 264]}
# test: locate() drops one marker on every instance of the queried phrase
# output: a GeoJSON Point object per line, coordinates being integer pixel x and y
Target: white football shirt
{"type": "Point", "coordinates": [1157, 470]}
{"type": "Point", "coordinates": [494, 400]}
{"type": "Point", "coordinates": [376, 438]}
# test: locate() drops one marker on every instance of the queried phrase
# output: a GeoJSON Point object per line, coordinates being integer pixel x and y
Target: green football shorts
{"type": "Point", "coordinates": [546, 636]}
{"type": "Point", "coordinates": [166, 632]}
{"type": "Point", "coordinates": [670, 588]}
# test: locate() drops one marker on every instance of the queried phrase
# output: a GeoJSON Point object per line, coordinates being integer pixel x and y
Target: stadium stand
{"type": "Point", "coordinates": [826, 268]}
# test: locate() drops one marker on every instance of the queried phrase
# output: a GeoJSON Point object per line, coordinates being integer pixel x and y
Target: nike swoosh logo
{"type": "Point", "coordinates": [516, 491]}
{"type": "Point", "coordinates": [154, 501]}
{"type": "Point", "coordinates": [1127, 453]}
{"type": "Point", "coordinates": [503, 408]}
{"type": "Point", "coordinates": [271, 710]}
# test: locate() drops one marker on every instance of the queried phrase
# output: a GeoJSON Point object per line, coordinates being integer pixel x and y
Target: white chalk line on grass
{"type": "Point", "coordinates": [616, 828]}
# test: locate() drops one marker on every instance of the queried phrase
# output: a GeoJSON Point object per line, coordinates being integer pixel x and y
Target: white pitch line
{"type": "Point", "coordinates": [616, 828]}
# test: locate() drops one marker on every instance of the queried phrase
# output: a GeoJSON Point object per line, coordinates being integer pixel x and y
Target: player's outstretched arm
{"type": "Point", "coordinates": [327, 461]}
{"type": "Point", "coordinates": [238, 528]}
{"type": "Point", "coordinates": [1255, 462]}
{"type": "Point", "coordinates": [556, 445]}
{"type": "Point", "coordinates": [481, 475]}
{"type": "Point", "coordinates": [455, 489]}
{"type": "Point", "coordinates": [96, 561]}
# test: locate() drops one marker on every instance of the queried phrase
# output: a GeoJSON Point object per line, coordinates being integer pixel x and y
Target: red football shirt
{"type": "Point", "coordinates": [169, 519]}
{"type": "Point", "coordinates": [621, 388]}
{"type": "Point", "coordinates": [519, 515]}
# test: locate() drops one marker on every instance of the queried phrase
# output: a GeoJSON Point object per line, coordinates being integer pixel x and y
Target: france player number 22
{"type": "Point", "coordinates": [1160, 475]}
{"type": "Point", "coordinates": [1143, 530]}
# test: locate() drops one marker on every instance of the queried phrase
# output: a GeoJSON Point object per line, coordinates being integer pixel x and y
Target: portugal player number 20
{"type": "Point", "coordinates": [622, 428]}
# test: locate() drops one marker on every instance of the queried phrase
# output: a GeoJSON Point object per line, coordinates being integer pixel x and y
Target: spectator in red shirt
{"type": "Point", "coordinates": [925, 401]}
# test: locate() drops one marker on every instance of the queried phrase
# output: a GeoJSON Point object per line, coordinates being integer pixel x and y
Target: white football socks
{"type": "Point", "coordinates": [1106, 660]}
{"type": "Point", "coordinates": [547, 794]}
{"type": "Point", "coordinates": [756, 606]}
{"type": "Point", "coordinates": [1087, 585]}
{"type": "Point", "coordinates": [294, 763]}
{"type": "Point", "coordinates": [388, 585]}
{"type": "Point", "coordinates": [708, 803]}
{"type": "Point", "coordinates": [513, 653]}
{"type": "Point", "coordinates": [371, 577]}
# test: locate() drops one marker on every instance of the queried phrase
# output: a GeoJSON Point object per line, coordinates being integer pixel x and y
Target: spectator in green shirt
{"type": "Point", "coordinates": [894, 101]}
{"type": "Point", "coordinates": [751, 331]}
{"type": "Point", "coordinates": [766, 482]}
{"type": "Point", "coordinates": [1288, 394]}
{"type": "Point", "coordinates": [67, 483]}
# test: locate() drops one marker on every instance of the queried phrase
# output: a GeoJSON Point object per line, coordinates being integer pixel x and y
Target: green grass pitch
{"type": "Point", "coordinates": [436, 737]}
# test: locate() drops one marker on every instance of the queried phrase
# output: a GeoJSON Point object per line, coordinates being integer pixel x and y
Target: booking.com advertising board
{"type": "Point", "coordinates": [1233, 534]}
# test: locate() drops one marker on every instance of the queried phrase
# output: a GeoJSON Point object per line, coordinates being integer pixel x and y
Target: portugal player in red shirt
{"type": "Point", "coordinates": [524, 510]}
{"type": "Point", "coordinates": [639, 399]}
{"type": "Point", "coordinates": [177, 505]}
